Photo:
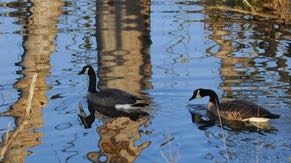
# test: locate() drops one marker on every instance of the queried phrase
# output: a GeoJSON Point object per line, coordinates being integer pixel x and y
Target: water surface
{"type": "Point", "coordinates": [160, 50]}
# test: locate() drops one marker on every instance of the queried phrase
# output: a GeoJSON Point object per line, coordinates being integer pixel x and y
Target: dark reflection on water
{"type": "Point", "coordinates": [118, 134]}
{"type": "Point", "coordinates": [205, 119]}
{"type": "Point", "coordinates": [108, 112]}
{"type": "Point", "coordinates": [160, 50]}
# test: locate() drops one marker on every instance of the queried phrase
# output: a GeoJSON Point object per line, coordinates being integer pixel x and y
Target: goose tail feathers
{"type": "Point", "coordinates": [273, 116]}
{"type": "Point", "coordinates": [140, 105]}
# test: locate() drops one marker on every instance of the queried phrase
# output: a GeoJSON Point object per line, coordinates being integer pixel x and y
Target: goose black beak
{"type": "Point", "coordinates": [80, 73]}
{"type": "Point", "coordinates": [191, 98]}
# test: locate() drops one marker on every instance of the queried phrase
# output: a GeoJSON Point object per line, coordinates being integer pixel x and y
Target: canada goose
{"type": "Point", "coordinates": [239, 110]}
{"type": "Point", "coordinates": [112, 98]}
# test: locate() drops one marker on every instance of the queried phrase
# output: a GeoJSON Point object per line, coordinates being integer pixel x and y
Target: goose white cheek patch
{"type": "Point", "coordinates": [86, 71]}
{"type": "Point", "coordinates": [198, 94]}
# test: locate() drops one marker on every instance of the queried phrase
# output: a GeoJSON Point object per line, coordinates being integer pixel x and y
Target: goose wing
{"type": "Point", "coordinates": [258, 110]}
{"type": "Point", "coordinates": [240, 109]}
{"type": "Point", "coordinates": [111, 97]}
{"type": "Point", "coordinates": [121, 93]}
{"type": "Point", "coordinates": [234, 111]}
{"type": "Point", "coordinates": [248, 104]}
{"type": "Point", "coordinates": [108, 96]}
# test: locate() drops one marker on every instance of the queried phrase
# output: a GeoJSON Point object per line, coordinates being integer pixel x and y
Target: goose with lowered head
{"type": "Point", "coordinates": [239, 110]}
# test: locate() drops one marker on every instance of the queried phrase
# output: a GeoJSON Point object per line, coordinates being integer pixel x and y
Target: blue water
{"type": "Point", "coordinates": [162, 50]}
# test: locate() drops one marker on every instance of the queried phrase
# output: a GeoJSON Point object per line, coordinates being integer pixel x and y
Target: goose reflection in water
{"type": "Point", "coordinates": [106, 112]}
{"type": "Point", "coordinates": [118, 134]}
{"type": "Point", "coordinates": [210, 120]}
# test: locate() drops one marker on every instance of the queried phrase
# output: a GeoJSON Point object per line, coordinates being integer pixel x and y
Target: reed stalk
{"type": "Point", "coordinates": [222, 131]}
{"type": "Point", "coordinates": [9, 138]}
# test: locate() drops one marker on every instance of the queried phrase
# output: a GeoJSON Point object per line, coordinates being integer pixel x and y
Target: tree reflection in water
{"type": "Point", "coordinates": [118, 134]}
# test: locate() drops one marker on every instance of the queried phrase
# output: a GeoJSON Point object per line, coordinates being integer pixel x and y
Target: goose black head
{"type": "Point", "coordinates": [199, 93]}
{"type": "Point", "coordinates": [87, 121]}
{"type": "Point", "coordinates": [86, 70]}
{"type": "Point", "coordinates": [92, 77]}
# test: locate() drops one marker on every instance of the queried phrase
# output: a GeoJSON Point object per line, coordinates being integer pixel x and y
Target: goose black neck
{"type": "Point", "coordinates": [88, 121]}
{"type": "Point", "coordinates": [92, 82]}
{"type": "Point", "coordinates": [213, 97]}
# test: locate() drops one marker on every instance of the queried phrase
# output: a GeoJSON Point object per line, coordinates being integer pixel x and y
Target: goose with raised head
{"type": "Point", "coordinates": [113, 98]}
{"type": "Point", "coordinates": [239, 110]}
